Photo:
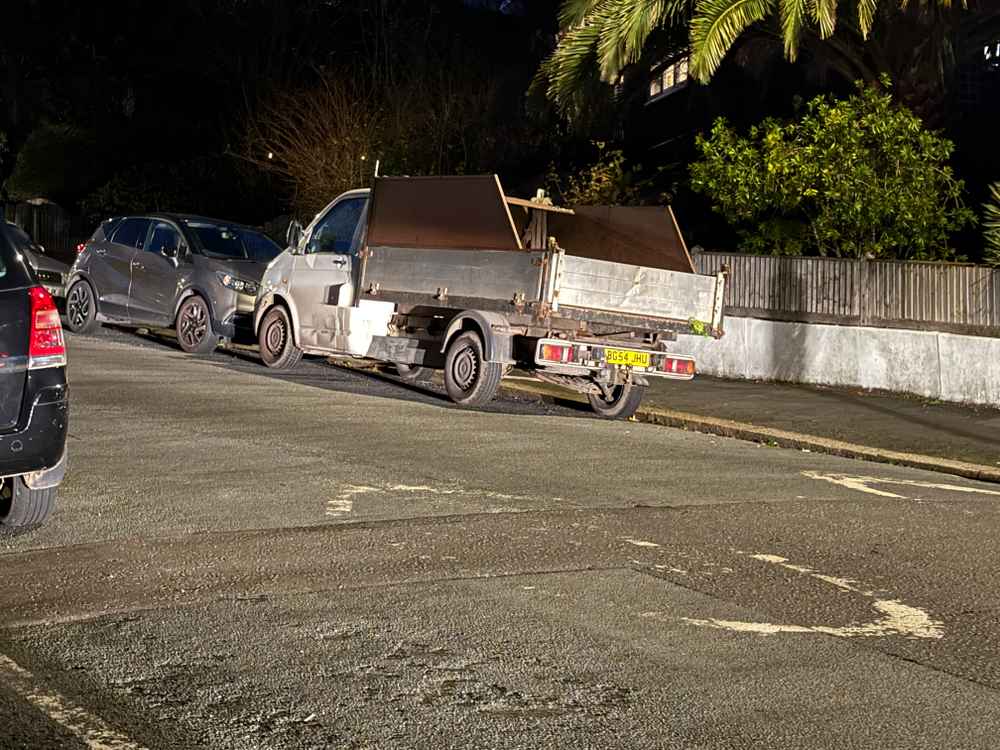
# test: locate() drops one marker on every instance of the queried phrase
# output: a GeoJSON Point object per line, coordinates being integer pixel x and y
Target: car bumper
{"type": "Point", "coordinates": [41, 445]}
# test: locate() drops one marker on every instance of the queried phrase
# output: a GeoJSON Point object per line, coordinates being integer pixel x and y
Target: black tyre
{"type": "Point", "coordinates": [468, 378]}
{"type": "Point", "coordinates": [413, 373]}
{"type": "Point", "coordinates": [277, 346]}
{"type": "Point", "coordinates": [81, 307]}
{"type": "Point", "coordinates": [621, 403]}
{"type": "Point", "coordinates": [194, 327]}
{"type": "Point", "coordinates": [22, 508]}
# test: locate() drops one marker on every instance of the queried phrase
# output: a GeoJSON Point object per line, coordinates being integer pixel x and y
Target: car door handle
{"type": "Point", "coordinates": [101, 251]}
{"type": "Point", "coordinates": [138, 265]}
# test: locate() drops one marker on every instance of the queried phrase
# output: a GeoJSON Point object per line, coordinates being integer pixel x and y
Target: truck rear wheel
{"type": "Point", "coordinates": [22, 508]}
{"type": "Point", "coordinates": [468, 378]}
{"type": "Point", "coordinates": [620, 403]}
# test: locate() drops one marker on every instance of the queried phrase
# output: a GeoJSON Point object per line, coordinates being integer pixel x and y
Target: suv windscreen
{"type": "Point", "coordinates": [237, 243]}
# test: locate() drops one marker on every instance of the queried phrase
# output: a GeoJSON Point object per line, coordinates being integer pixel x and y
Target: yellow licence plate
{"type": "Point", "coordinates": [627, 358]}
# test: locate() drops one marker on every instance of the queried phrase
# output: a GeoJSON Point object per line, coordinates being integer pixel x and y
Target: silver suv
{"type": "Point", "coordinates": [197, 275]}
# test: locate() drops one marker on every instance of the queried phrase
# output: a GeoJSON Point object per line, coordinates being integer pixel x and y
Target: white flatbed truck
{"type": "Point", "coordinates": [449, 273]}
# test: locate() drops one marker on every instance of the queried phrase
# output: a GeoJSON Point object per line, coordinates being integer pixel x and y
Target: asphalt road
{"type": "Point", "coordinates": [330, 559]}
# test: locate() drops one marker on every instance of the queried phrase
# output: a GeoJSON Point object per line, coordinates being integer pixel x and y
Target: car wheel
{"type": "Point", "coordinates": [277, 346]}
{"type": "Point", "coordinates": [22, 508]}
{"type": "Point", "coordinates": [81, 307]}
{"type": "Point", "coordinates": [468, 378]}
{"type": "Point", "coordinates": [194, 327]}
{"type": "Point", "coordinates": [620, 403]}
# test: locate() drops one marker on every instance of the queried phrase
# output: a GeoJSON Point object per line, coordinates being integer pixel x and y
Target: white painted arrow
{"type": "Point", "coordinates": [864, 484]}
{"type": "Point", "coordinates": [896, 617]}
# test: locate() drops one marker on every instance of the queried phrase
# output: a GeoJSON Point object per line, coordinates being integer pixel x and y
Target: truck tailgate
{"type": "Point", "coordinates": [591, 284]}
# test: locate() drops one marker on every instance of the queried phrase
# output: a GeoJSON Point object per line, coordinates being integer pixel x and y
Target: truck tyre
{"type": "Point", "coordinates": [413, 373]}
{"type": "Point", "coordinates": [468, 378]}
{"type": "Point", "coordinates": [277, 346]}
{"type": "Point", "coordinates": [621, 403]}
{"type": "Point", "coordinates": [194, 327]}
{"type": "Point", "coordinates": [22, 508]}
{"type": "Point", "coordinates": [81, 307]}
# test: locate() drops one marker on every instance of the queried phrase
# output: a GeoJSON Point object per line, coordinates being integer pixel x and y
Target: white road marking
{"type": "Point", "coordinates": [343, 503]}
{"type": "Point", "coordinates": [639, 542]}
{"type": "Point", "coordinates": [896, 618]}
{"type": "Point", "coordinates": [863, 484]}
{"type": "Point", "coordinates": [93, 731]}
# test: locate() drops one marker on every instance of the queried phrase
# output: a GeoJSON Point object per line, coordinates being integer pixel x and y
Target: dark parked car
{"type": "Point", "coordinates": [51, 273]}
{"type": "Point", "coordinates": [197, 275]}
{"type": "Point", "coordinates": [33, 394]}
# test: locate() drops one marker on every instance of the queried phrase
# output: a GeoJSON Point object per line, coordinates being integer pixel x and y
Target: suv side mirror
{"type": "Point", "coordinates": [169, 252]}
{"type": "Point", "coordinates": [293, 235]}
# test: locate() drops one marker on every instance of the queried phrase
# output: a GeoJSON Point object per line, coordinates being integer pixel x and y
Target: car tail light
{"type": "Point", "coordinates": [46, 347]}
{"type": "Point", "coordinates": [81, 247]}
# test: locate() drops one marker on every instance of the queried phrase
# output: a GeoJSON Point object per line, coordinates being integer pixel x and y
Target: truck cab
{"type": "Point", "coordinates": [315, 282]}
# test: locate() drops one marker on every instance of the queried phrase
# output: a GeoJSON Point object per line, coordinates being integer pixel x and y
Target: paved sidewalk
{"type": "Point", "coordinates": [875, 426]}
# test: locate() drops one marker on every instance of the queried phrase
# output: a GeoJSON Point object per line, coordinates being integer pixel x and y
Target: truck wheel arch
{"type": "Point", "coordinates": [493, 329]}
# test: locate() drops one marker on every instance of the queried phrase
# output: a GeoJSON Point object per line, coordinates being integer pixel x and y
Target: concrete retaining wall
{"type": "Point", "coordinates": [943, 366]}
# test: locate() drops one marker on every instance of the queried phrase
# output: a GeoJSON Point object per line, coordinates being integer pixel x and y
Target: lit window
{"type": "Point", "coordinates": [669, 78]}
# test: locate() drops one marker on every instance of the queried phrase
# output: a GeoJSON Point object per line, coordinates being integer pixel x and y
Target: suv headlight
{"type": "Point", "coordinates": [239, 285]}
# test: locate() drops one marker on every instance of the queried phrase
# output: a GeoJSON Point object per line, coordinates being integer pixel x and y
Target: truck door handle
{"type": "Point", "coordinates": [339, 262]}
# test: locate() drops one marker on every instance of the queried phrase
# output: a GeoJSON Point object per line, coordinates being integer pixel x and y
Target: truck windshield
{"type": "Point", "coordinates": [237, 243]}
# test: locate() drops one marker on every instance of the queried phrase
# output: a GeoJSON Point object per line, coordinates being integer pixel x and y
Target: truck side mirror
{"type": "Point", "coordinates": [293, 235]}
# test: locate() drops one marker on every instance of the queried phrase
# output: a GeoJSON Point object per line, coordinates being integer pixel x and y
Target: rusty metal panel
{"type": "Point", "coordinates": [637, 290]}
{"type": "Point", "coordinates": [441, 212]}
{"type": "Point", "coordinates": [637, 235]}
{"type": "Point", "coordinates": [488, 274]}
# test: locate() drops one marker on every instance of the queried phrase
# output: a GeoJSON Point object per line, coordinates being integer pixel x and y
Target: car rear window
{"type": "Point", "coordinates": [14, 272]}
{"type": "Point", "coordinates": [106, 229]}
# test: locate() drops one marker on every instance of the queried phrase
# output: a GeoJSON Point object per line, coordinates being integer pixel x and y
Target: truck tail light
{"type": "Point", "coordinates": [556, 353]}
{"type": "Point", "coordinates": [678, 366]}
{"type": "Point", "coordinates": [46, 347]}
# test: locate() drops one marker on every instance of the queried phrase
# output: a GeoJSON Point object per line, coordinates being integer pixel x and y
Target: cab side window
{"type": "Point", "coordinates": [335, 231]}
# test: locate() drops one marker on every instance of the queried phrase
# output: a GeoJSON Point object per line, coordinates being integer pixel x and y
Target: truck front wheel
{"type": "Point", "coordinates": [277, 347]}
{"type": "Point", "coordinates": [468, 378]}
{"type": "Point", "coordinates": [620, 402]}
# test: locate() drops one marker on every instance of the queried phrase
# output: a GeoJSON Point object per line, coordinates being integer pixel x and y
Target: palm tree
{"type": "Point", "coordinates": [609, 35]}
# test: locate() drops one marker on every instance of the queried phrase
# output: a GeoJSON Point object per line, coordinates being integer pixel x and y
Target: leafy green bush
{"type": "Point", "coordinates": [850, 178]}
{"type": "Point", "coordinates": [991, 226]}
{"type": "Point", "coordinates": [605, 182]}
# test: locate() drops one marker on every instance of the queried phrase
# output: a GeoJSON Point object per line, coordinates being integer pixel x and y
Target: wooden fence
{"type": "Point", "coordinates": [953, 297]}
